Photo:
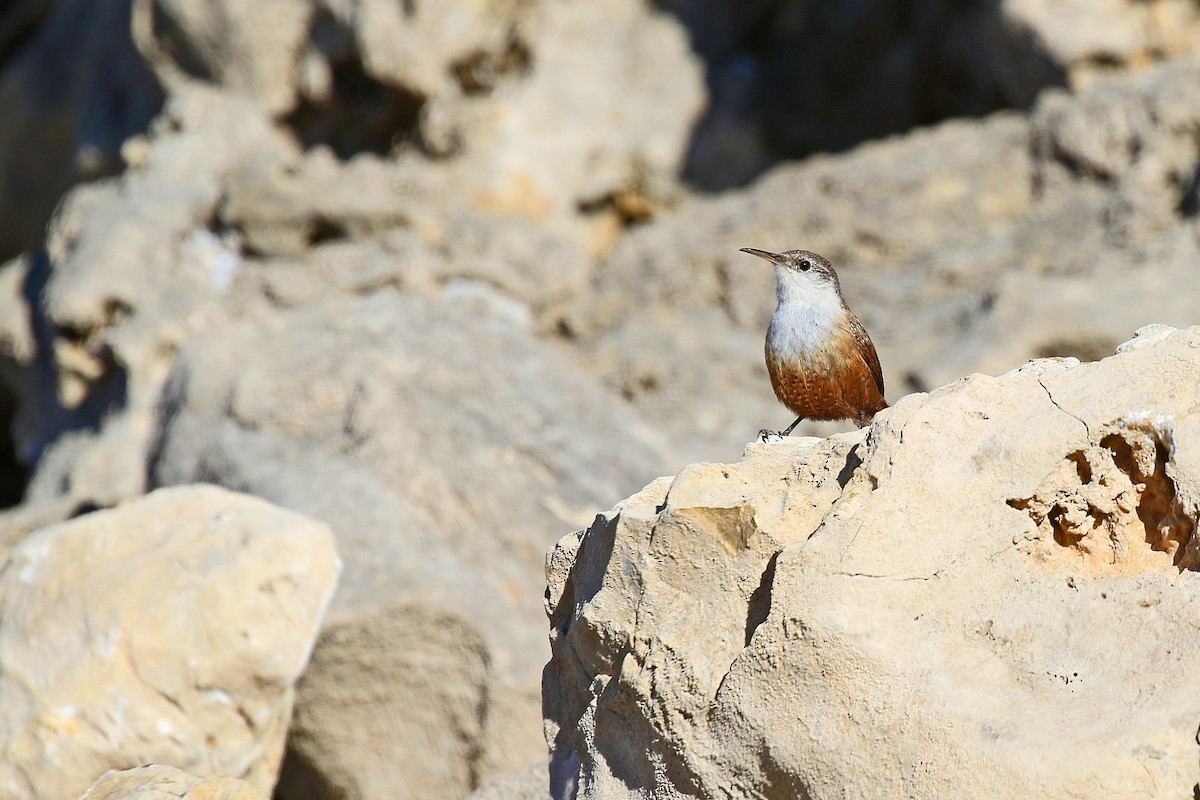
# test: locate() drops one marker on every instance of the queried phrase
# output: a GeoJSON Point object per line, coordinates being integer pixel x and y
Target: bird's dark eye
{"type": "Point", "coordinates": [805, 265]}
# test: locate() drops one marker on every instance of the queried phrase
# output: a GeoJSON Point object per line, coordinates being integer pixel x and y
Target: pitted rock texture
{"type": "Point", "coordinates": [170, 630]}
{"type": "Point", "coordinates": [991, 591]}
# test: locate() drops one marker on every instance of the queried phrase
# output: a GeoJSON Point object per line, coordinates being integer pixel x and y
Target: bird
{"type": "Point", "coordinates": [822, 363]}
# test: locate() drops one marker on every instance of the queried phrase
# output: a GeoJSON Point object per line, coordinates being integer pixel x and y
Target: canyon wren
{"type": "Point", "coordinates": [821, 360]}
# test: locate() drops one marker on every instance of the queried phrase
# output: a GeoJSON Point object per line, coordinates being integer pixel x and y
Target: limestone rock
{"type": "Point", "coordinates": [253, 48]}
{"type": "Point", "coordinates": [395, 704]}
{"type": "Point", "coordinates": [104, 332]}
{"type": "Point", "coordinates": [502, 88]}
{"type": "Point", "coordinates": [421, 430]}
{"type": "Point", "coordinates": [167, 783]}
{"type": "Point", "coordinates": [995, 585]}
{"type": "Point", "coordinates": [560, 138]}
{"type": "Point", "coordinates": [169, 630]}
{"type": "Point", "coordinates": [529, 785]}
{"type": "Point", "coordinates": [1091, 38]}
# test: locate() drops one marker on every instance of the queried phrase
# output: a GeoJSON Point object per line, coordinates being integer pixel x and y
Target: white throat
{"type": "Point", "coordinates": [809, 308]}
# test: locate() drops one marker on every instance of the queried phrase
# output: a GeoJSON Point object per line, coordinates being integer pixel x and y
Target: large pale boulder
{"type": "Point", "coordinates": [166, 783]}
{"type": "Point", "coordinates": [419, 429]}
{"type": "Point", "coordinates": [169, 630]}
{"type": "Point", "coordinates": [992, 591]}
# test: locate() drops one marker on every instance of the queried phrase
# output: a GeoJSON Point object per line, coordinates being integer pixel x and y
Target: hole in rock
{"type": "Point", "coordinates": [630, 206]}
{"type": "Point", "coordinates": [321, 230]}
{"type": "Point", "coordinates": [359, 114]}
{"type": "Point", "coordinates": [1169, 529]}
{"type": "Point", "coordinates": [1066, 537]}
{"type": "Point", "coordinates": [1117, 521]}
{"type": "Point", "coordinates": [1082, 468]}
{"type": "Point", "coordinates": [914, 382]}
{"type": "Point", "coordinates": [101, 393]}
{"type": "Point", "coordinates": [480, 72]}
{"type": "Point", "coordinates": [1122, 454]}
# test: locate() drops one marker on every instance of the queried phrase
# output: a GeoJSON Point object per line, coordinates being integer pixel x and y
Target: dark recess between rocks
{"type": "Point", "coordinates": [13, 475]}
{"type": "Point", "coordinates": [361, 114]}
{"type": "Point", "coordinates": [782, 87]}
{"type": "Point", "coordinates": [93, 92]}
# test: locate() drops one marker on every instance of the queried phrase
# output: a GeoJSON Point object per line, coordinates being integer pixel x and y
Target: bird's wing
{"type": "Point", "coordinates": [867, 350]}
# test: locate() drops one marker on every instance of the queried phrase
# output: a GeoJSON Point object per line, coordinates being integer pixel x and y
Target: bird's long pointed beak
{"type": "Point", "coordinates": [774, 258]}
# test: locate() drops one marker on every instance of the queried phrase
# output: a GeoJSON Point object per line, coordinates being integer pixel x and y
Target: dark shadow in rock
{"type": "Point", "coordinates": [853, 460]}
{"type": "Point", "coordinates": [1189, 203]}
{"type": "Point", "coordinates": [13, 474]}
{"type": "Point", "coordinates": [790, 79]}
{"type": "Point", "coordinates": [48, 419]}
{"type": "Point", "coordinates": [361, 114]}
{"type": "Point", "coordinates": [77, 89]}
{"type": "Point", "coordinates": [760, 600]}
{"type": "Point", "coordinates": [301, 780]}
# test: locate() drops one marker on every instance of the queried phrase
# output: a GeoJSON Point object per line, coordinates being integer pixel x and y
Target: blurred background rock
{"type": "Point", "coordinates": [452, 277]}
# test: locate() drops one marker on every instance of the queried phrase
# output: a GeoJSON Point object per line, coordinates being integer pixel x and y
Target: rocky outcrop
{"type": "Point", "coordinates": [169, 630]}
{"type": "Point", "coordinates": [993, 586]}
{"type": "Point", "coordinates": [167, 783]}
{"type": "Point", "coordinates": [433, 274]}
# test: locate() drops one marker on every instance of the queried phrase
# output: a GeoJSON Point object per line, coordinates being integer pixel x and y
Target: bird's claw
{"type": "Point", "coordinates": [765, 436]}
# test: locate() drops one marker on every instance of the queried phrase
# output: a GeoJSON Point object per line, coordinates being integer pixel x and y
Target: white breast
{"type": "Point", "coordinates": [809, 309]}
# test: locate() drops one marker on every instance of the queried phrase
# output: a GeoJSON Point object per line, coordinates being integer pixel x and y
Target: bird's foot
{"type": "Point", "coordinates": [765, 436]}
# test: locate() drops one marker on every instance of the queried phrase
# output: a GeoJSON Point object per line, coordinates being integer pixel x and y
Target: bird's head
{"type": "Point", "coordinates": [799, 272]}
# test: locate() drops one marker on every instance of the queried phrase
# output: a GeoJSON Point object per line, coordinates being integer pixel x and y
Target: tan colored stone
{"type": "Point", "coordinates": [107, 331]}
{"type": "Point", "coordinates": [166, 783]}
{"type": "Point", "coordinates": [992, 591]}
{"type": "Point", "coordinates": [253, 47]}
{"type": "Point", "coordinates": [168, 630]}
{"type": "Point", "coordinates": [421, 429]}
{"type": "Point", "coordinates": [391, 685]}
{"type": "Point", "coordinates": [1090, 37]}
